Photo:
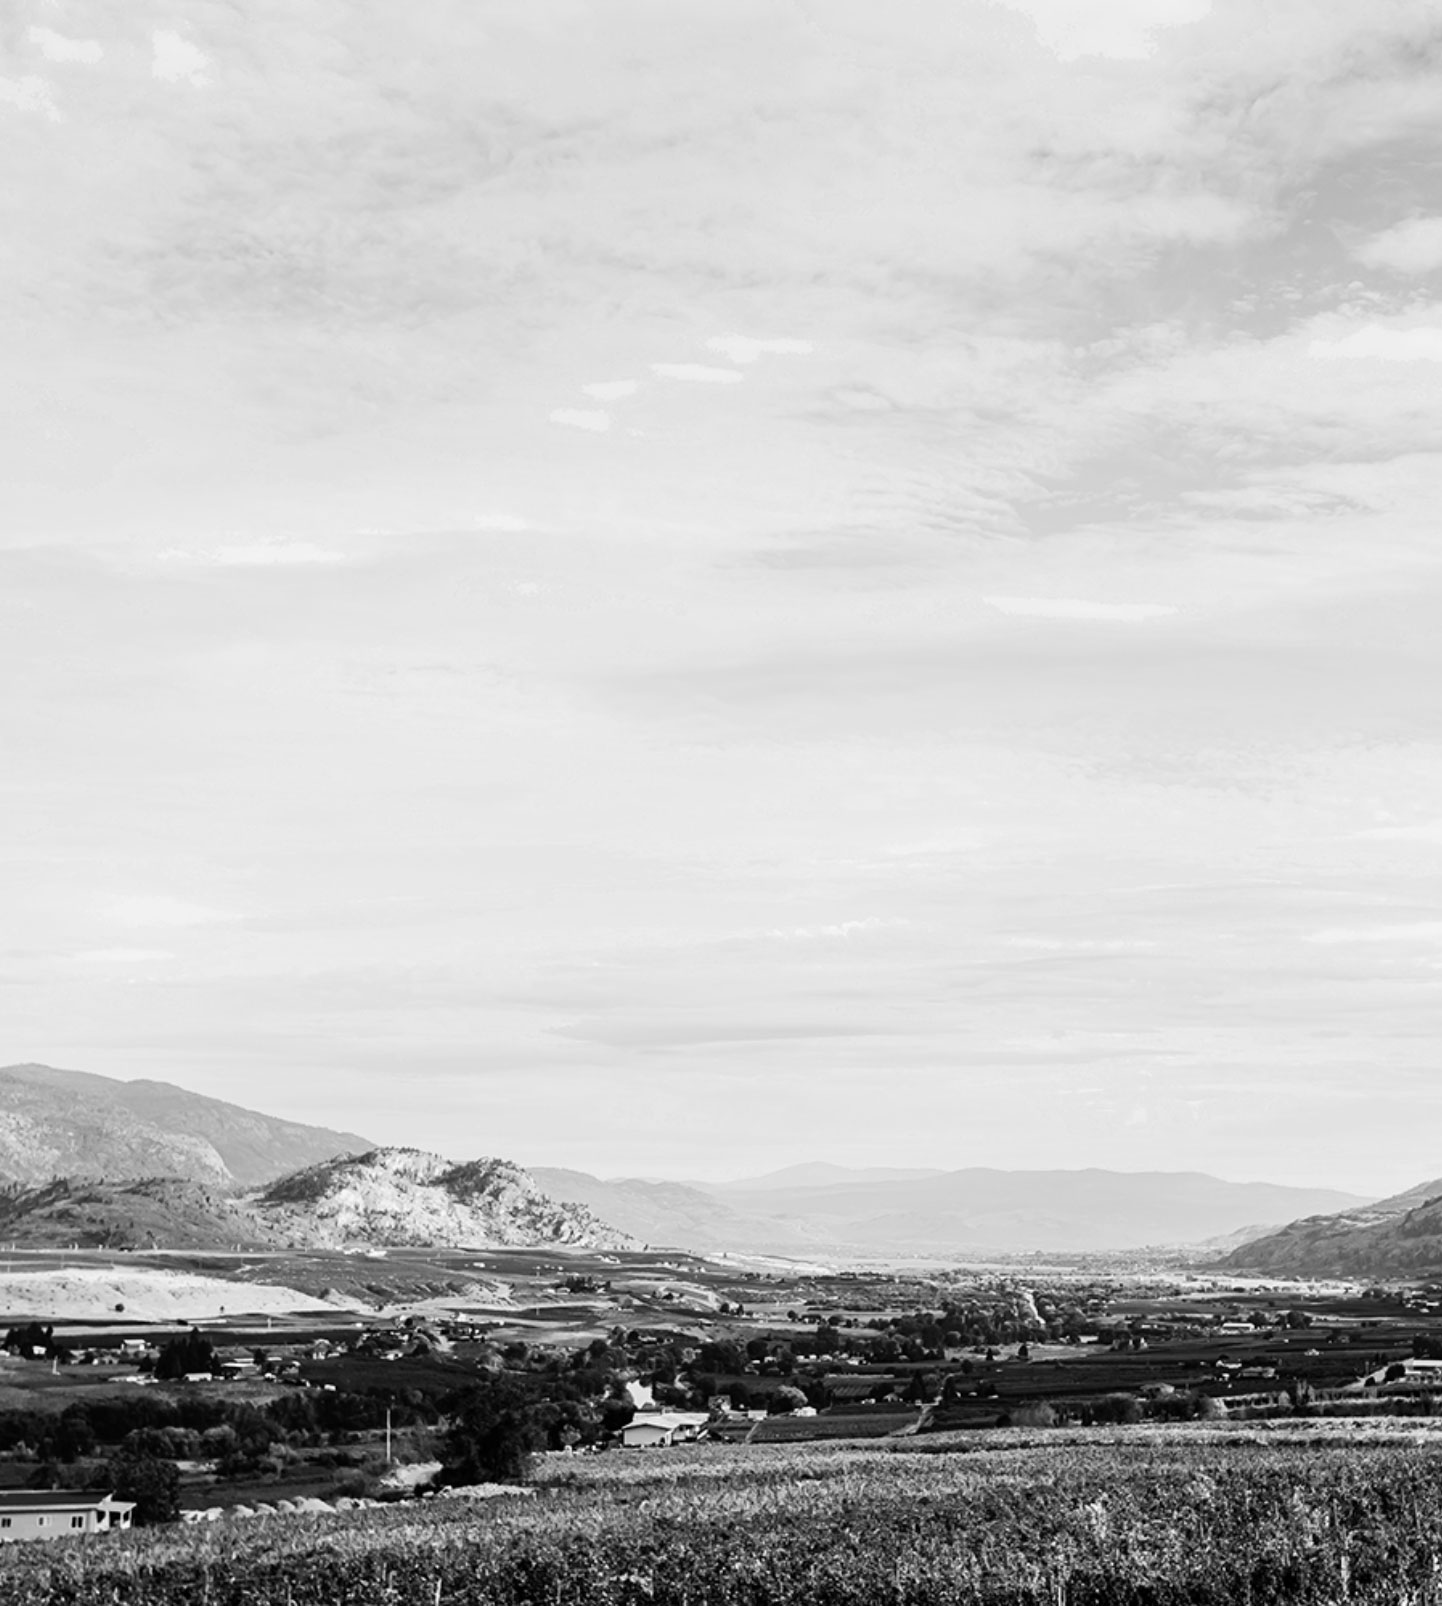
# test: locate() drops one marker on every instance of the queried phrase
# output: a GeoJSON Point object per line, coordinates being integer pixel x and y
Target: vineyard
{"type": "Point", "coordinates": [1197, 1523]}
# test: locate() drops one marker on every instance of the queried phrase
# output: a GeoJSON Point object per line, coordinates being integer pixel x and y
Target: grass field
{"type": "Point", "coordinates": [1193, 1518]}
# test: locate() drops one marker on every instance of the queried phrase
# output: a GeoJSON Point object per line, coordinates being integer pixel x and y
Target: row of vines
{"type": "Point", "coordinates": [1206, 1525]}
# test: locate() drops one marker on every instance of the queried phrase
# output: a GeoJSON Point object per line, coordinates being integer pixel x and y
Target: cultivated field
{"type": "Point", "coordinates": [1196, 1520]}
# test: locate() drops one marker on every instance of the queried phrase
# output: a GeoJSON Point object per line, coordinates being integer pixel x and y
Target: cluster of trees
{"type": "Point", "coordinates": [189, 1353]}
{"type": "Point", "coordinates": [32, 1339]}
{"type": "Point", "coordinates": [238, 1434]}
{"type": "Point", "coordinates": [1111, 1409]}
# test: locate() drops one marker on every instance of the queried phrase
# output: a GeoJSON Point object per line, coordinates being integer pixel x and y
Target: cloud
{"type": "Point", "coordinates": [1076, 608]}
{"type": "Point", "coordinates": [745, 349]}
{"type": "Point", "coordinates": [1431, 831]}
{"type": "Point", "coordinates": [29, 94]}
{"type": "Point", "coordinates": [1407, 931]}
{"type": "Point", "coordinates": [1386, 345]}
{"type": "Point", "coordinates": [576, 418]}
{"type": "Point", "coordinates": [506, 523]}
{"type": "Point", "coordinates": [260, 555]}
{"type": "Point", "coordinates": [1123, 29]}
{"type": "Point", "coordinates": [1411, 247]}
{"type": "Point", "coordinates": [175, 60]}
{"type": "Point", "coordinates": [612, 389]}
{"type": "Point", "coordinates": [160, 910]}
{"type": "Point", "coordinates": [697, 373]}
{"type": "Point", "coordinates": [274, 554]}
{"type": "Point", "coordinates": [56, 47]}
{"type": "Point", "coordinates": [121, 956]}
{"type": "Point", "coordinates": [841, 928]}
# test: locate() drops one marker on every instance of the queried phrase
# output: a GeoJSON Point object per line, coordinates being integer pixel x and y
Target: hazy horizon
{"type": "Point", "coordinates": [679, 587]}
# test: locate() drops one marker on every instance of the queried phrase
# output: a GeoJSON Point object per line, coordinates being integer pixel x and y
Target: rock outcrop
{"type": "Point", "coordinates": [406, 1196]}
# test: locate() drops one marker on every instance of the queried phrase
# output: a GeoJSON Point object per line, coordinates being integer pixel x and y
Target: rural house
{"type": "Point", "coordinates": [659, 1428]}
{"type": "Point", "coordinates": [59, 1514]}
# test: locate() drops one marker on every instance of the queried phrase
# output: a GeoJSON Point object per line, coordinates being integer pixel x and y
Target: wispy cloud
{"type": "Point", "coordinates": [597, 422]}
{"type": "Point", "coordinates": [160, 909]}
{"type": "Point", "coordinates": [697, 373]}
{"type": "Point", "coordinates": [274, 554]}
{"type": "Point", "coordinates": [509, 523]}
{"type": "Point", "coordinates": [56, 47]}
{"type": "Point", "coordinates": [1125, 30]}
{"type": "Point", "coordinates": [839, 928]}
{"type": "Point", "coordinates": [1377, 343]}
{"type": "Point", "coordinates": [1427, 831]}
{"type": "Point", "coordinates": [121, 956]}
{"type": "Point", "coordinates": [746, 349]}
{"type": "Point", "coordinates": [1411, 247]}
{"type": "Point", "coordinates": [1077, 608]}
{"type": "Point", "coordinates": [259, 555]}
{"type": "Point", "coordinates": [174, 60]}
{"type": "Point", "coordinates": [29, 94]}
{"type": "Point", "coordinates": [1427, 931]}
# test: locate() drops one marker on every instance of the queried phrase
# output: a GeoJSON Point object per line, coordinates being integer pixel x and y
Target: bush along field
{"type": "Point", "coordinates": [1091, 1526]}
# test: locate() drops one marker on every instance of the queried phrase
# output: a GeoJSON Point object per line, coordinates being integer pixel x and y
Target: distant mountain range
{"type": "Point", "coordinates": [1396, 1237]}
{"type": "Point", "coordinates": [56, 1123]}
{"type": "Point", "coordinates": [975, 1212]}
{"type": "Point", "coordinates": [84, 1158]}
{"type": "Point", "coordinates": [89, 1160]}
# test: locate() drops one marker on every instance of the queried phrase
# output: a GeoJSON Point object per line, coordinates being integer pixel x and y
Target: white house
{"type": "Point", "coordinates": [59, 1514]}
{"type": "Point", "coordinates": [657, 1429]}
{"type": "Point", "coordinates": [1415, 1373]}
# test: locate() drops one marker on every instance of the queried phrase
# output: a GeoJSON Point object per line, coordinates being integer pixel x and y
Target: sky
{"type": "Point", "coordinates": [678, 588]}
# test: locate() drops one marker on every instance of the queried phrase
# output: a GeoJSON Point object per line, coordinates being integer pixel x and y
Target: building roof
{"type": "Point", "coordinates": [668, 1420]}
{"type": "Point", "coordinates": [60, 1500]}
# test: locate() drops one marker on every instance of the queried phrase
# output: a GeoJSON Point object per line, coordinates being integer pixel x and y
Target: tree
{"type": "Point", "coordinates": [492, 1435]}
{"type": "Point", "coordinates": [153, 1484]}
{"type": "Point", "coordinates": [920, 1389]}
{"type": "Point", "coordinates": [191, 1352]}
{"type": "Point", "coordinates": [785, 1400]}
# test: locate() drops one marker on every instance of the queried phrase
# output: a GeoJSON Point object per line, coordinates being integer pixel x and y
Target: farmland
{"type": "Point", "coordinates": [1189, 1520]}
{"type": "Point", "coordinates": [341, 1399]}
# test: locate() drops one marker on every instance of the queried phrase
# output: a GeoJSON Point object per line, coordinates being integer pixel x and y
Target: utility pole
{"type": "Point", "coordinates": [388, 1435]}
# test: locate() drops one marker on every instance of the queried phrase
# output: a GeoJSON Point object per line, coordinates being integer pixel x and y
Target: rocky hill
{"type": "Point", "coordinates": [388, 1197]}
{"type": "Point", "coordinates": [146, 1213]}
{"type": "Point", "coordinates": [1396, 1237]}
{"type": "Point", "coordinates": [405, 1196]}
{"type": "Point", "coordinates": [59, 1123]}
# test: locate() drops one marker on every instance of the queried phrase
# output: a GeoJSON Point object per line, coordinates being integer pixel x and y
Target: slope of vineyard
{"type": "Point", "coordinates": [1201, 1522]}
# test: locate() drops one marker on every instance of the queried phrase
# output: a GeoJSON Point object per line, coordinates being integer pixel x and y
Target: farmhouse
{"type": "Point", "coordinates": [657, 1429]}
{"type": "Point", "coordinates": [59, 1514]}
{"type": "Point", "coordinates": [1410, 1373]}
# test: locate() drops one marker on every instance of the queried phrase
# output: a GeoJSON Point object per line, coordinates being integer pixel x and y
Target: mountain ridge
{"type": "Point", "coordinates": [56, 1123]}
{"type": "Point", "coordinates": [1397, 1236]}
{"type": "Point", "coordinates": [387, 1198]}
{"type": "Point", "coordinates": [974, 1210]}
